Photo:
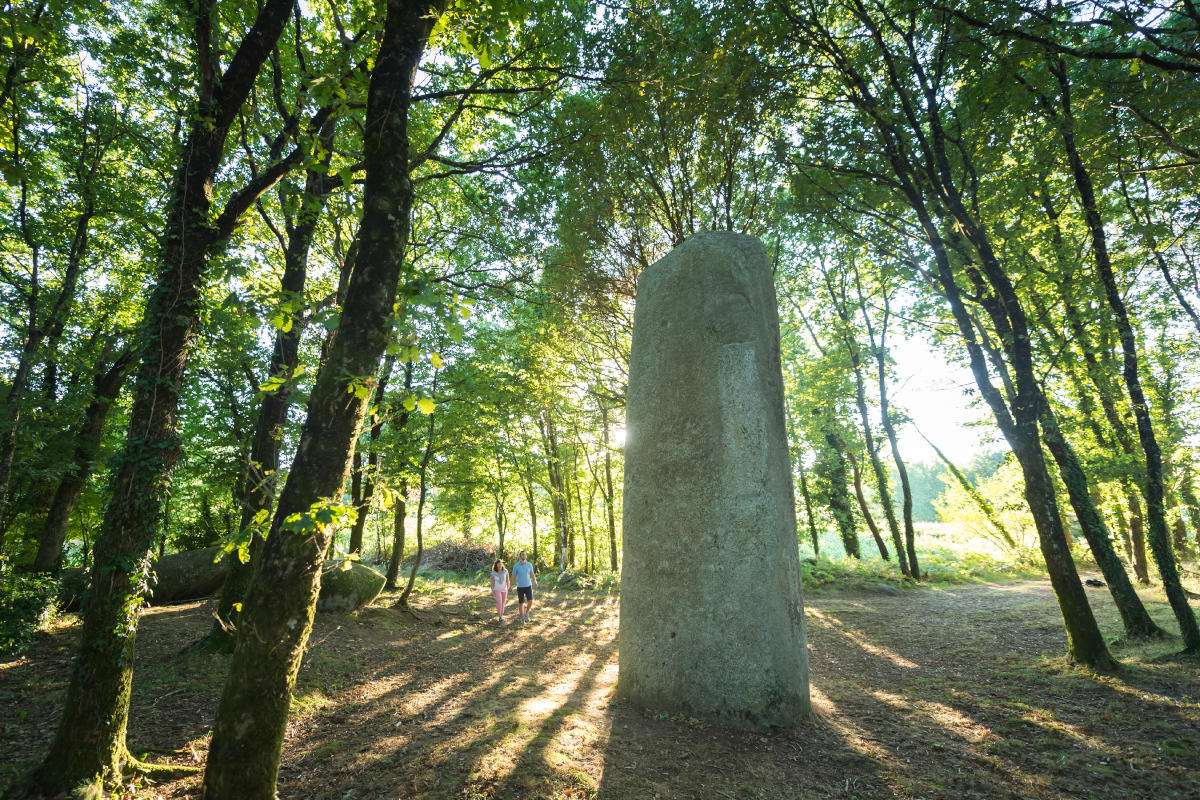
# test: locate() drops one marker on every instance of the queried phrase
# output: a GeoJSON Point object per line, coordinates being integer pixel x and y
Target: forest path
{"type": "Point", "coordinates": [958, 692]}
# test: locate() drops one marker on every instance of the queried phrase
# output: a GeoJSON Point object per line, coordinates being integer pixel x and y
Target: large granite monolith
{"type": "Point", "coordinates": [712, 618]}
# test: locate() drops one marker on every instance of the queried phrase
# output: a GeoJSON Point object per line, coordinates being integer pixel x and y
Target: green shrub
{"type": "Point", "coordinates": [26, 604]}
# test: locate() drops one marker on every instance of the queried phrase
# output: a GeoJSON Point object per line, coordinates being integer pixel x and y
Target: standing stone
{"type": "Point", "coordinates": [712, 619]}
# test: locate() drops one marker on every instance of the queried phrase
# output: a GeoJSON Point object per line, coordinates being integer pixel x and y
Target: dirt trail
{"type": "Point", "coordinates": [937, 693]}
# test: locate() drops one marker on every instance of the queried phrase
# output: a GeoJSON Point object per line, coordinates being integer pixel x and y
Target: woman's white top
{"type": "Point", "coordinates": [500, 580]}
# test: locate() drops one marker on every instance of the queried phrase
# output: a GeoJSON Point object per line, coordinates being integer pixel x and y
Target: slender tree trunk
{"type": "Point", "coordinates": [36, 333]}
{"type": "Point", "coordinates": [255, 492]}
{"type": "Point", "coordinates": [363, 504]}
{"type": "Point", "coordinates": [531, 500]}
{"type": "Point", "coordinates": [1154, 491]}
{"type": "Point", "coordinates": [1178, 527]}
{"type": "Point", "coordinates": [400, 425]}
{"type": "Point", "coordinates": [1191, 505]}
{"type": "Point", "coordinates": [498, 503]}
{"type": "Point", "coordinates": [402, 602]}
{"type": "Point", "coordinates": [106, 387]}
{"type": "Point", "coordinates": [90, 741]}
{"type": "Point", "coordinates": [909, 550]}
{"type": "Point", "coordinates": [398, 514]}
{"type": "Point", "coordinates": [860, 400]}
{"type": "Point", "coordinates": [1137, 538]}
{"type": "Point", "coordinates": [866, 511]}
{"type": "Point", "coordinates": [808, 510]}
{"type": "Point", "coordinates": [839, 495]}
{"type": "Point", "coordinates": [981, 502]}
{"type": "Point", "coordinates": [1133, 614]}
{"type": "Point", "coordinates": [558, 492]}
{"type": "Point", "coordinates": [609, 497]}
{"type": "Point", "coordinates": [243, 760]}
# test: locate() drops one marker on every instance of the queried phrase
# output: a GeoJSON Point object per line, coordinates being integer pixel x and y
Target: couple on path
{"type": "Point", "coordinates": [502, 581]}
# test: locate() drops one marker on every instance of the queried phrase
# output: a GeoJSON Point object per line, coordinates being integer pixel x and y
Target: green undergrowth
{"type": "Point", "coordinates": [819, 574]}
{"type": "Point", "coordinates": [824, 574]}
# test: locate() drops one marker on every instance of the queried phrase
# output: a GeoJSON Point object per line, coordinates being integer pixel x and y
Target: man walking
{"type": "Point", "coordinates": [526, 580]}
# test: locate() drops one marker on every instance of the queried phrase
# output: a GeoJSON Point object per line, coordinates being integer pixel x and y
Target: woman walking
{"type": "Point", "coordinates": [501, 584]}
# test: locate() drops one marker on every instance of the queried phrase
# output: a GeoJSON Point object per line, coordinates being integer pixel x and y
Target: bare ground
{"type": "Point", "coordinates": [934, 693]}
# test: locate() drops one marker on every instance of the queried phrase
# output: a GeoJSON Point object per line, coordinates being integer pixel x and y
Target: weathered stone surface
{"type": "Point", "coordinates": [346, 590]}
{"type": "Point", "coordinates": [712, 618]}
{"type": "Point", "coordinates": [176, 577]}
{"type": "Point", "coordinates": [187, 575]}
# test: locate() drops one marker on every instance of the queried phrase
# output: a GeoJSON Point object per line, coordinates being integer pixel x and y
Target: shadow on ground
{"type": "Point", "coordinates": [958, 693]}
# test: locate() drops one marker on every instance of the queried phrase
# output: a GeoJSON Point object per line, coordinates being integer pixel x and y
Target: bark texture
{"type": "Point", "coordinates": [90, 740]}
{"type": "Point", "coordinates": [243, 761]}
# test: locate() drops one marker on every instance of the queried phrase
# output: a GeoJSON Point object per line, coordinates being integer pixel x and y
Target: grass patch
{"type": "Point", "coordinates": [308, 703]}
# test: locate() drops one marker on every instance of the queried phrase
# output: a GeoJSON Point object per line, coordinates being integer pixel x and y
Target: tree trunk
{"type": "Point", "coordinates": [1137, 538]}
{"type": "Point", "coordinates": [90, 741]}
{"type": "Point", "coordinates": [981, 502]}
{"type": "Point", "coordinates": [498, 501]}
{"type": "Point", "coordinates": [1133, 614]}
{"type": "Point", "coordinates": [909, 551]}
{"type": "Point", "coordinates": [609, 497]}
{"type": "Point", "coordinates": [255, 492]}
{"type": "Point", "coordinates": [106, 387]}
{"type": "Point", "coordinates": [860, 400]}
{"type": "Point", "coordinates": [354, 545]}
{"type": "Point", "coordinates": [808, 509]}
{"type": "Point", "coordinates": [402, 602]}
{"type": "Point", "coordinates": [531, 499]}
{"type": "Point", "coordinates": [839, 496]}
{"type": "Point", "coordinates": [1191, 505]}
{"type": "Point", "coordinates": [1160, 544]}
{"type": "Point", "coordinates": [243, 759]}
{"type": "Point", "coordinates": [398, 514]}
{"type": "Point", "coordinates": [372, 473]}
{"type": "Point", "coordinates": [862, 506]}
{"type": "Point", "coordinates": [558, 492]}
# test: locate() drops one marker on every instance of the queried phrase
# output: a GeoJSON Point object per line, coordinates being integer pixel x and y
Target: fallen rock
{"type": "Point", "coordinates": [346, 590]}
{"type": "Point", "coordinates": [176, 577]}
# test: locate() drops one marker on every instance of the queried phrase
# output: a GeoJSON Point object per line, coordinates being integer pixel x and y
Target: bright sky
{"type": "Point", "coordinates": [930, 388]}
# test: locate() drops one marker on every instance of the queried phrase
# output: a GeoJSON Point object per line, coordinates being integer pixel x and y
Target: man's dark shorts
{"type": "Point", "coordinates": [524, 594]}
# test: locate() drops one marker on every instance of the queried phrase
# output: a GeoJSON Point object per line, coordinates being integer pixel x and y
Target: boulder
{"type": "Point", "coordinates": [187, 576]}
{"type": "Point", "coordinates": [175, 577]}
{"type": "Point", "coordinates": [346, 590]}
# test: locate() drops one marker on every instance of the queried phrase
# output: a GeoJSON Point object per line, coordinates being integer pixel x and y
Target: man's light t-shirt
{"type": "Point", "coordinates": [523, 572]}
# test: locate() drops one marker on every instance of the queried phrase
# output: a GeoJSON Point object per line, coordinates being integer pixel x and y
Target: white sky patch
{"type": "Point", "coordinates": [941, 398]}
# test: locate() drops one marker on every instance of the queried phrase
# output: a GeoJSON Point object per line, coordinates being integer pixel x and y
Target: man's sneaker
{"type": "Point", "coordinates": [525, 618]}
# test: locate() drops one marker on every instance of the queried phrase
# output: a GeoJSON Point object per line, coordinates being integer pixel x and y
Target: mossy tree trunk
{"type": "Point", "coordinates": [243, 761]}
{"type": "Point", "coordinates": [864, 509]}
{"type": "Point", "coordinates": [1137, 537]}
{"type": "Point", "coordinates": [399, 511]}
{"type": "Point", "coordinates": [90, 741]}
{"type": "Point", "coordinates": [1153, 487]}
{"type": "Point", "coordinates": [831, 467]}
{"type": "Point", "coordinates": [255, 492]}
{"type": "Point", "coordinates": [1133, 613]}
